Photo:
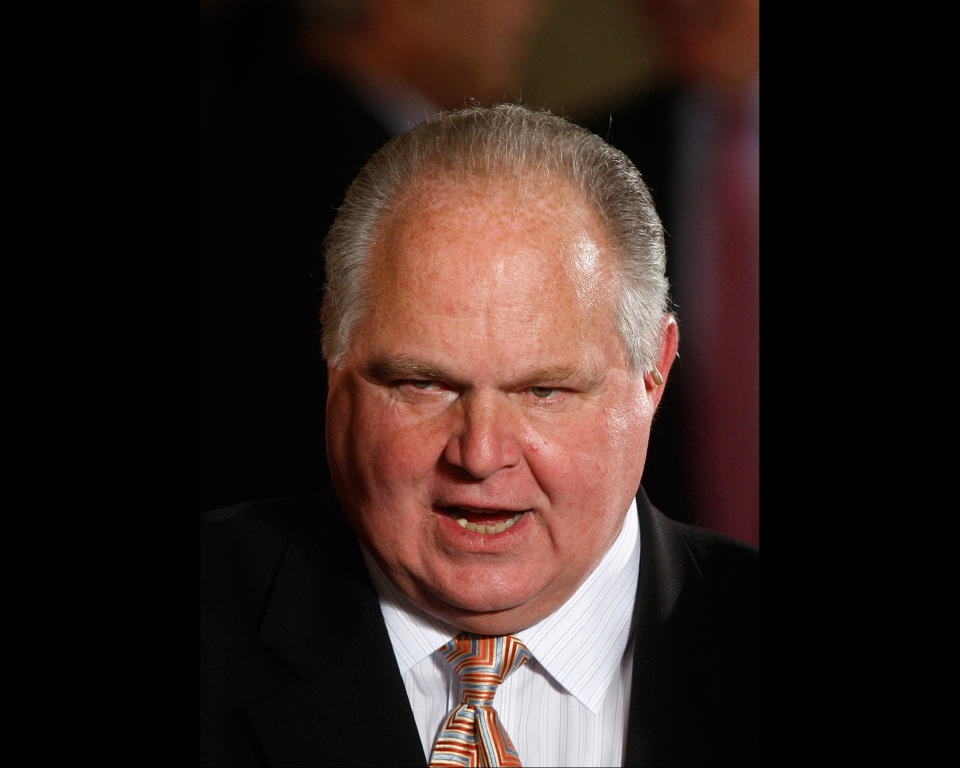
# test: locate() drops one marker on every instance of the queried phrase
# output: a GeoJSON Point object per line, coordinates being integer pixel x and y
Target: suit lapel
{"type": "Point", "coordinates": [347, 704]}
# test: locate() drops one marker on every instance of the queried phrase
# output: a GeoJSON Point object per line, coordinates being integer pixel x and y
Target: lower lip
{"type": "Point", "coordinates": [472, 541]}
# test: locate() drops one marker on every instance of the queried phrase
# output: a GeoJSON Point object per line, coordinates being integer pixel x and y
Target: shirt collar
{"type": "Point", "coordinates": [580, 645]}
{"type": "Point", "coordinates": [414, 633]}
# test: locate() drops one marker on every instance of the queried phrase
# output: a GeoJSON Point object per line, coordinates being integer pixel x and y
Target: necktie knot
{"type": "Point", "coordinates": [483, 663]}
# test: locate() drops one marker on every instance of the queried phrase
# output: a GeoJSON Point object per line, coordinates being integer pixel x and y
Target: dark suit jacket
{"type": "Point", "coordinates": [298, 668]}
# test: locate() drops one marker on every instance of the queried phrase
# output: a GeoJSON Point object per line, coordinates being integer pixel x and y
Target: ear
{"type": "Point", "coordinates": [668, 353]}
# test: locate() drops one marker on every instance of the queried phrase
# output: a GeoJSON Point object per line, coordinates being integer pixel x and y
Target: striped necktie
{"type": "Point", "coordinates": [472, 734]}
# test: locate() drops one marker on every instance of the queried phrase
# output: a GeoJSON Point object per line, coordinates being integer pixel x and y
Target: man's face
{"type": "Point", "coordinates": [488, 387]}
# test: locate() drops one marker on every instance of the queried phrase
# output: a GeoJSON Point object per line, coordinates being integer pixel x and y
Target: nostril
{"type": "Point", "coordinates": [483, 442]}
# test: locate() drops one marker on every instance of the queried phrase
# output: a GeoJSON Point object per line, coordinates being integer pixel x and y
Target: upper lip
{"type": "Point", "coordinates": [483, 508]}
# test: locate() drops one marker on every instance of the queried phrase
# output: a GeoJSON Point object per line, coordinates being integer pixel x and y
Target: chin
{"type": "Point", "coordinates": [485, 607]}
{"type": "Point", "coordinates": [477, 600]}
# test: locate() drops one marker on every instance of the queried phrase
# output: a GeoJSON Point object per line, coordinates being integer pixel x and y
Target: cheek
{"type": "Point", "coordinates": [628, 429]}
{"type": "Point", "coordinates": [592, 466]}
{"type": "Point", "coordinates": [396, 452]}
{"type": "Point", "coordinates": [383, 465]}
{"type": "Point", "coordinates": [596, 444]}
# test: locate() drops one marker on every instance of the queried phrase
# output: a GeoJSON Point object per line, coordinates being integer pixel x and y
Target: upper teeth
{"type": "Point", "coordinates": [479, 528]}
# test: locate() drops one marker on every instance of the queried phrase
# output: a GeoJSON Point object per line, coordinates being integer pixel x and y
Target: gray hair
{"type": "Point", "coordinates": [511, 140]}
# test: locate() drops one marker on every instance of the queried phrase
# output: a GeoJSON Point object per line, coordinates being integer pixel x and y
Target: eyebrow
{"type": "Point", "coordinates": [558, 374]}
{"type": "Point", "coordinates": [389, 368]}
{"type": "Point", "coordinates": [403, 366]}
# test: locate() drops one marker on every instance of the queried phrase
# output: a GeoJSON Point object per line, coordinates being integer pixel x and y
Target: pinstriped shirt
{"type": "Point", "coordinates": [568, 705]}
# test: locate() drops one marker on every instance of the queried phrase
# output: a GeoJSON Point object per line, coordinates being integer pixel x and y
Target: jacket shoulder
{"type": "Point", "coordinates": [728, 569]}
{"type": "Point", "coordinates": [721, 557]}
{"type": "Point", "coordinates": [696, 687]}
{"type": "Point", "coordinates": [242, 547]}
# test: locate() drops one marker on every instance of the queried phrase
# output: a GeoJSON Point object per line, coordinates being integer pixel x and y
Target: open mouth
{"type": "Point", "coordinates": [485, 521]}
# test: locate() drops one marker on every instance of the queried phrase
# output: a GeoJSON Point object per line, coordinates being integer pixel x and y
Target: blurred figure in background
{"type": "Point", "coordinates": [297, 94]}
{"type": "Point", "coordinates": [695, 139]}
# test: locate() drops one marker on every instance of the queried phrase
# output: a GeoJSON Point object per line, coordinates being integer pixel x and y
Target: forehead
{"type": "Point", "coordinates": [520, 266]}
{"type": "Point", "coordinates": [492, 234]}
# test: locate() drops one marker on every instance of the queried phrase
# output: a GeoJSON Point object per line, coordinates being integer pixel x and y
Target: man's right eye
{"type": "Point", "coordinates": [421, 384]}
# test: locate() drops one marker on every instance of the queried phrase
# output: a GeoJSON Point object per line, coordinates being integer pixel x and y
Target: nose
{"type": "Point", "coordinates": [484, 439]}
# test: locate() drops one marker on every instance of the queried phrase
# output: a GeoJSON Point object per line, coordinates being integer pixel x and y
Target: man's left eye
{"type": "Point", "coordinates": [543, 393]}
{"type": "Point", "coordinates": [422, 384]}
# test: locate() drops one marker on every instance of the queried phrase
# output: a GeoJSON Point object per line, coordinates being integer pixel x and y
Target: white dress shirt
{"type": "Point", "coordinates": [568, 705]}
